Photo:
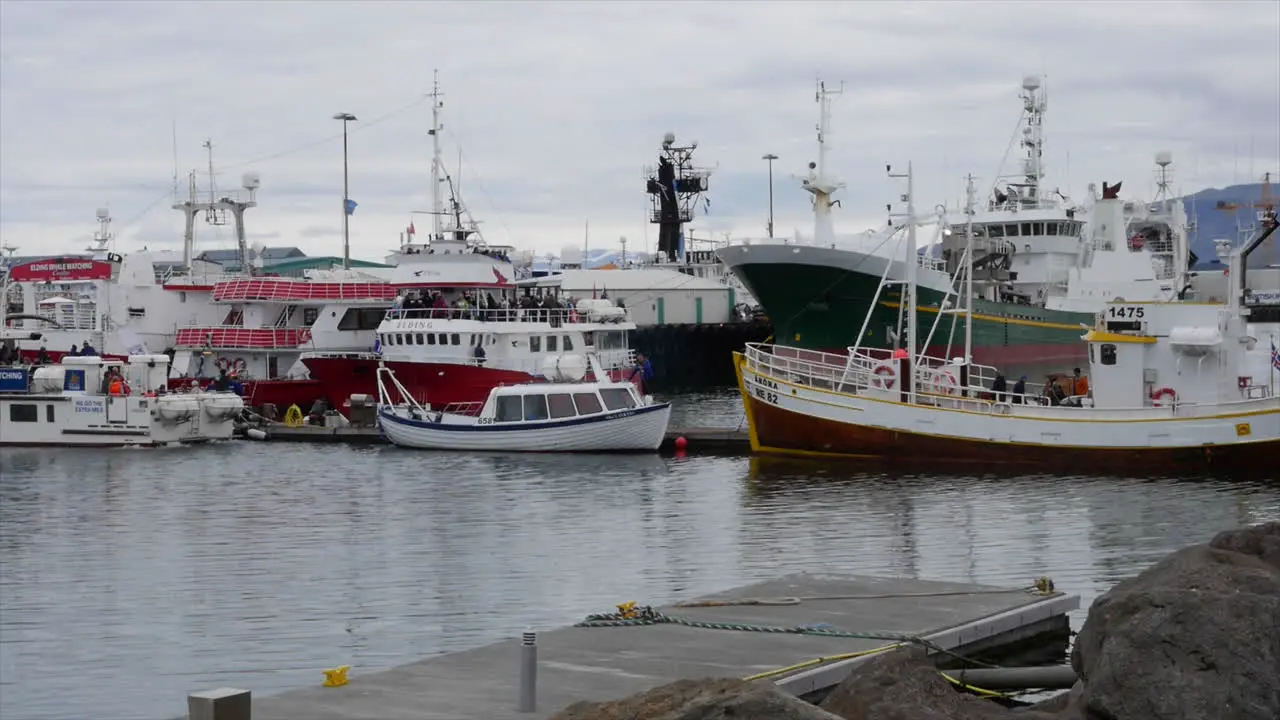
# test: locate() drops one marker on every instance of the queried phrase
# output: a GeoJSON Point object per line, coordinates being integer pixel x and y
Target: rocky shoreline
{"type": "Point", "coordinates": [1194, 637]}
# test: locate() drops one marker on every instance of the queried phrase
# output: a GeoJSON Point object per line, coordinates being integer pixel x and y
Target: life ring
{"type": "Point", "coordinates": [884, 377]}
{"type": "Point", "coordinates": [1157, 396]}
{"type": "Point", "coordinates": [223, 364]}
{"type": "Point", "coordinates": [942, 382]}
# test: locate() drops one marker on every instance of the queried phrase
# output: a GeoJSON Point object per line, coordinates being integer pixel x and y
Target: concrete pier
{"type": "Point", "coordinates": [700, 440]}
{"type": "Point", "coordinates": [727, 636]}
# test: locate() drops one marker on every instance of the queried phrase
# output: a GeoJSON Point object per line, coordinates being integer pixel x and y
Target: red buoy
{"type": "Point", "coordinates": [681, 443]}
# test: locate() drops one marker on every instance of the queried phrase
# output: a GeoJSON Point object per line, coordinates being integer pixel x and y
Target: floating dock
{"type": "Point", "coordinates": [703, 440]}
{"type": "Point", "coordinates": [731, 639]}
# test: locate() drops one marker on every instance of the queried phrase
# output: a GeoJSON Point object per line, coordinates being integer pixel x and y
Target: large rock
{"type": "Point", "coordinates": [1197, 635]}
{"type": "Point", "coordinates": [710, 699]}
{"type": "Point", "coordinates": [904, 685]}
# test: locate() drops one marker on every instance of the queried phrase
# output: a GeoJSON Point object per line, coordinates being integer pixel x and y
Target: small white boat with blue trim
{"type": "Point", "coordinates": [563, 415]}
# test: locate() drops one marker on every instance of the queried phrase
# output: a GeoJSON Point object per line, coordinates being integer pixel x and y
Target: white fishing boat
{"type": "Point", "coordinates": [1175, 386]}
{"type": "Point", "coordinates": [93, 401]}
{"type": "Point", "coordinates": [568, 415]}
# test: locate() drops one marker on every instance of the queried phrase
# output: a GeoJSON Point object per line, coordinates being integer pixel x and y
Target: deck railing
{"type": "Point", "coordinates": [855, 374]}
{"type": "Point", "coordinates": [552, 316]}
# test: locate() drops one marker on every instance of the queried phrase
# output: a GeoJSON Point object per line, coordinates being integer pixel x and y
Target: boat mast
{"type": "Point", "coordinates": [819, 183]}
{"type": "Point", "coordinates": [437, 164]}
{"type": "Point", "coordinates": [1033, 139]}
{"type": "Point", "coordinates": [969, 209]}
{"type": "Point", "coordinates": [908, 295]}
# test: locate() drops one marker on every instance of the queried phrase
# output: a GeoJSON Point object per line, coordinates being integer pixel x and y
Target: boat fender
{"type": "Point", "coordinates": [884, 377]}
{"type": "Point", "coordinates": [256, 434]}
{"type": "Point", "coordinates": [1158, 396]}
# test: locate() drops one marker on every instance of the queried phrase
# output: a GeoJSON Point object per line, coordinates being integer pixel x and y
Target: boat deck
{"type": "Point", "coordinates": [602, 663]}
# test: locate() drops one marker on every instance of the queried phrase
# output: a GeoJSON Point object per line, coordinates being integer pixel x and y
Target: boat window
{"type": "Point", "coordinates": [1011, 230]}
{"type": "Point", "coordinates": [611, 340]}
{"type": "Point", "coordinates": [1107, 355]}
{"type": "Point", "coordinates": [1026, 229]}
{"type": "Point", "coordinates": [1091, 360]}
{"type": "Point", "coordinates": [995, 231]}
{"type": "Point", "coordinates": [508, 409]}
{"type": "Point", "coordinates": [444, 339]}
{"type": "Point", "coordinates": [23, 413]}
{"type": "Point", "coordinates": [535, 407]}
{"type": "Point", "coordinates": [360, 319]}
{"type": "Point", "coordinates": [431, 339]}
{"type": "Point", "coordinates": [310, 315]}
{"type": "Point", "coordinates": [472, 342]}
{"type": "Point", "coordinates": [587, 403]}
{"type": "Point", "coordinates": [48, 412]}
{"type": "Point", "coordinates": [551, 343]}
{"type": "Point", "coordinates": [418, 338]}
{"type": "Point", "coordinates": [457, 339]}
{"type": "Point", "coordinates": [561, 406]}
{"type": "Point", "coordinates": [535, 343]}
{"type": "Point", "coordinates": [568, 343]}
{"type": "Point", "coordinates": [1037, 229]}
{"type": "Point", "coordinates": [617, 398]}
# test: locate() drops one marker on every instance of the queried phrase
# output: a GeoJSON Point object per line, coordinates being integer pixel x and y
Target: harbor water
{"type": "Point", "coordinates": [130, 577]}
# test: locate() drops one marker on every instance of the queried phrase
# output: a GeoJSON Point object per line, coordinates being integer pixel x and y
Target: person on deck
{"type": "Point", "coordinates": [223, 383]}
{"type": "Point", "coordinates": [643, 367]}
{"type": "Point", "coordinates": [42, 357]}
{"type": "Point", "coordinates": [74, 351]}
{"type": "Point", "coordinates": [999, 386]}
{"type": "Point", "coordinates": [88, 350]}
{"type": "Point", "coordinates": [1079, 384]}
{"type": "Point", "coordinates": [1020, 389]}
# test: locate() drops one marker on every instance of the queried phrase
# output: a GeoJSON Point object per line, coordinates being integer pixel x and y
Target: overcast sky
{"type": "Point", "coordinates": [556, 108]}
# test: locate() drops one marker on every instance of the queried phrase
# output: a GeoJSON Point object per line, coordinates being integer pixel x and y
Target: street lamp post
{"type": "Point", "coordinates": [770, 157]}
{"type": "Point", "coordinates": [346, 193]}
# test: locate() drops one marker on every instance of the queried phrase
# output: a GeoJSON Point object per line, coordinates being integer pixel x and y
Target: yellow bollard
{"type": "Point", "coordinates": [337, 677]}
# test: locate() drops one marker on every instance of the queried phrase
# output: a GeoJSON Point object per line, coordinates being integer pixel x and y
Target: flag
{"type": "Point", "coordinates": [410, 227]}
{"type": "Point", "coordinates": [351, 207]}
{"type": "Point", "coordinates": [1275, 355]}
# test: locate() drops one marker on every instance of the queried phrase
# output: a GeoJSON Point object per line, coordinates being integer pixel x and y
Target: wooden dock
{"type": "Point", "coordinates": [700, 440]}
{"type": "Point", "coordinates": [730, 640]}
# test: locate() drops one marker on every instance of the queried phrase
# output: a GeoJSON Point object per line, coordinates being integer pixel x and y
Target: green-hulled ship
{"type": "Point", "coordinates": [1025, 247]}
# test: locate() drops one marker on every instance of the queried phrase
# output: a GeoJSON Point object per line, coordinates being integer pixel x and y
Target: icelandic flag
{"type": "Point", "coordinates": [351, 207]}
{"type": "Point", "coordinates": [1275, 355]}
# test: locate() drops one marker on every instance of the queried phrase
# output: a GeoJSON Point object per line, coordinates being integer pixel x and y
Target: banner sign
{"type": "Point", "coordinates": [61, 270]}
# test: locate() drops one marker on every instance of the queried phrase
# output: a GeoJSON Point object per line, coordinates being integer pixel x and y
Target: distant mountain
{"type": "Point", "coordinates": [1212, 223]}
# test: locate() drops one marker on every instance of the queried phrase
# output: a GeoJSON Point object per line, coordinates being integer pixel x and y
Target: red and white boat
{"type": "Point", "coordinates": [462, 326]}
{"type": "Point", "coordinates": [267, 323]}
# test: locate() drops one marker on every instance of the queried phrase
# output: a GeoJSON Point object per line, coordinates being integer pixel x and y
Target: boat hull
{"type": "Point", "coordinates": [117, 421]}
{"type": "Point", "coordinates": [638, 430]}
{"type": "Point", "coordinates": [795, 419]}
{"type": "Point", "coordinates": [816, 298]}
{"type": "Point", "coordinates": [439, 384]}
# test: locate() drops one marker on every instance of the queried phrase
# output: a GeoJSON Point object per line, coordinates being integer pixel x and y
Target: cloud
{"type": "Point", "coordinates": [557, 108]}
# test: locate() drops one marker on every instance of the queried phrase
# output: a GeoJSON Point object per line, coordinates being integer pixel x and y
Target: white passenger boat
{"type": "Point", "coordinates": [72, 404]}
{"type": "Point", "coordinates": [563, 416]}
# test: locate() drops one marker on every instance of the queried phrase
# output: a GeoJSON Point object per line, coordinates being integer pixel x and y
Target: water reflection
{"type": "Point", "coordinates": [131, 577]}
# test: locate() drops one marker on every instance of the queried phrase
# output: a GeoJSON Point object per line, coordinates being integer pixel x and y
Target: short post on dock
{"type": "Point", "coordinates": [220, 704]}
{"type": "Point", "coordinates": [528, 672]}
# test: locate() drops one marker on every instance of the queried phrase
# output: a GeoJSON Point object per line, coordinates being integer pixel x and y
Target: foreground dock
{"type": "Point", "coordinates": [731, 639]}
{"type": "Point", "coordinates": [704, 440]}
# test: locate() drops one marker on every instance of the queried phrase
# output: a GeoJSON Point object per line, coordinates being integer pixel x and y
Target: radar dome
{"type": "Point", "coordinates": [103, 214]}
{"type": "Point", "coordinates": [251, 181]}
{"type": "Point", "coordinates": [669, 138]}
{"type": "Point", "coordinates": [1031, 82]}
{"type": "Point", "coordinates": [1164, 158]}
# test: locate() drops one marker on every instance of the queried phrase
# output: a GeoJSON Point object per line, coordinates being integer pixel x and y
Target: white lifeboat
{"type": "Point", "coordinates": [176, 408]}
{"type": "Point", "coordinates": [222, 406]}
{"type": "Point", "coordinates": [565, 368]}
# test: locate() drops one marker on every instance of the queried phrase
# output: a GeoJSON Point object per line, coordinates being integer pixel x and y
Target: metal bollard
{"type": "Point", "coordinates": [528, 672]}
{"type": "Point", "coordinates": [220, 704]}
